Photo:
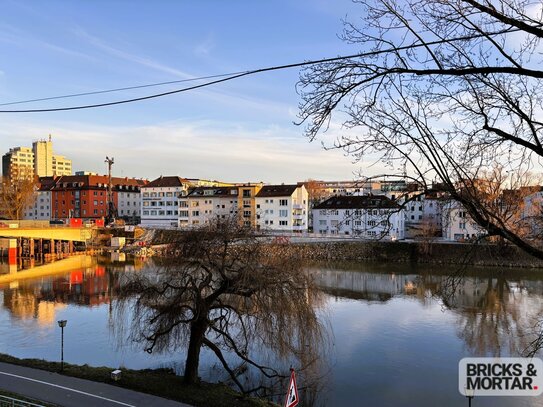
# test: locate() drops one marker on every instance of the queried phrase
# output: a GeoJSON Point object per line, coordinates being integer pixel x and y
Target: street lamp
{"type": "Point", "coordinates": [470, 393]}
{"type": "Point", "coordinates": [62, 324]}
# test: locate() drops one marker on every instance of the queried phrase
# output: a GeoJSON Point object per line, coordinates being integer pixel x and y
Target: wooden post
{"type": "Point", "coordinates": [31, 247]}
{"type": "Point", "coordinates": [52, 246]}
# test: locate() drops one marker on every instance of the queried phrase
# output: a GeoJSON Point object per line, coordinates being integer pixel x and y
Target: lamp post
{"type": "Point", "coordinates": [62, 324]}
{"type": "Point", "coordinates": [470, 393]}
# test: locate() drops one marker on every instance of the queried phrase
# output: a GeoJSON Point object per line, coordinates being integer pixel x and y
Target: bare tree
{"type": "Point", "coordinates": [230, 292]}
{"type": "Point", "coordinates": [15, 196]}
{"type": "Point", "coordinates": [443, 90]}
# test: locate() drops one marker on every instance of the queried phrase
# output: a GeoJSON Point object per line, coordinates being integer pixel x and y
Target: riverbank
{"type": "Point", "coordinates": [424, 252]}
{"type": "Point", "coordinates": [159, 382]}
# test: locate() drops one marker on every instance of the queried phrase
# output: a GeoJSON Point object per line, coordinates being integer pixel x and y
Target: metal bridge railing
{"type": "Point", "coordinates": [11, 402]}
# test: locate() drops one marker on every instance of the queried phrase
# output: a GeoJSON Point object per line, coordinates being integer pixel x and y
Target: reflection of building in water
{"type": "Point", "coordinates": [40, 299]}
{"type": "Point", "coordinates": [362, 285]}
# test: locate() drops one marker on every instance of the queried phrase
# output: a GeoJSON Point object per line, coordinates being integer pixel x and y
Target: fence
{"type": "Point", "coordinates": [11, 402]}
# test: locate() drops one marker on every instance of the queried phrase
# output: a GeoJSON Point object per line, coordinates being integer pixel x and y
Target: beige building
{"type": "Point", "coordinates": [25, 162]}
{"type": "Point", "coordinates": [18, 163]}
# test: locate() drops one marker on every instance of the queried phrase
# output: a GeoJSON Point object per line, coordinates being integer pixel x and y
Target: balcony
{"type": "Point", "coordinates": [297, 206]}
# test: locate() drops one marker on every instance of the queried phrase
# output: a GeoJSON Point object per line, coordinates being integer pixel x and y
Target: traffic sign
{"type": "Point", "coordinates": [292, 399]}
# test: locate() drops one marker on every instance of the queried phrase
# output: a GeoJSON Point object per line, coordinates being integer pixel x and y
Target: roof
{"type": "Point", "coordinates": [168, 181]}
{"type": "Point", "coordinates": [213, 192]}
{"type": "Point", "coordinates": [276, 190]}
{"type": "Point", "coordinates": [90, 181]}
{"type": "Point", "coordinates": [357, 202]}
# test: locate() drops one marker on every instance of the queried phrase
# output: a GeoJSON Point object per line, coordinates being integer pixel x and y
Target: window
{"type": "Point", "coordinates": [194, 204]}
{"type": "Point", "coordinates": [153, 213]}
{"type": "Point", "coordinates": [95, 202]}
{"type": "Point", "coordinates": [322, 222]}
{"type": "Point", "coordinates": [371, 223]}
{"type": "Point", "coordinates": [161, 213]}
{"type": "Point", "coordinates": [246, 193]}
{"type": "Point", "coordinates": [169, 194]}
{"type": "Point", "coordinates": [195, 213]}
{"type": "Point", "coordinates": [146, 203]}
{"type": "Point", "coordinates": [184, 214]}
{"type": "Point", "coordinates": [246, 214]}
{"type": "Point", "coordinates": [283, 213]}
{"type": "Point", "coordinates": [283, 202]}
{"type": "Point", "coordinates": [283, 222]}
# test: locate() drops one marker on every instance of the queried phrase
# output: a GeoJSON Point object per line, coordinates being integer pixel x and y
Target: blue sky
{"type": "Point", "coordinates": [237, 131]}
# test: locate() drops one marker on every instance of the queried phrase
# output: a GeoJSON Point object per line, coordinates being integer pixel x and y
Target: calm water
{"type": "Point", "coordinates": [396, 335]}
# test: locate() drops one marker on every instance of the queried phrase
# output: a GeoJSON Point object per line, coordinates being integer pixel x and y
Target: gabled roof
{"type": "Point", "coordinates": [168, 181]}
{"type": "Point", "coordinates": [357, 202]}
{"type": "Point", "coordinates": [276, 190]}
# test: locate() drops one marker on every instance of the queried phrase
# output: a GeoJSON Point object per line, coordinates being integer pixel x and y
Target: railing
{"type": "Point", "coordinates": [11, 402]}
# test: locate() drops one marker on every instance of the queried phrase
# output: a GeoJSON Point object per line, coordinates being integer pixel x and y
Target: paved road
{"type": "Point", "coordinates": [72, 392]}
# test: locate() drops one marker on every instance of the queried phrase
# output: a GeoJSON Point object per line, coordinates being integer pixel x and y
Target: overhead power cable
{"type": "Point", "coordinates": [229, 77]}
{"type": "Point", "coordinates": [97, 92]}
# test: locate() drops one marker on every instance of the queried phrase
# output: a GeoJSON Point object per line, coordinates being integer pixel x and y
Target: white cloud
{"type": "Point", "coordinates": [199, 149]}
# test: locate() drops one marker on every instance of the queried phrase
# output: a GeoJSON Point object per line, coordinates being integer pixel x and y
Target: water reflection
{"type": "Point", "coordinates": [397, 336]}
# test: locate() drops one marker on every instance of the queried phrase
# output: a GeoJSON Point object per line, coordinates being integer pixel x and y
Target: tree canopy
{"type": "Point", "coordinates": [443, 92]}
{"type": "Point", "coordinates": [231, 292]}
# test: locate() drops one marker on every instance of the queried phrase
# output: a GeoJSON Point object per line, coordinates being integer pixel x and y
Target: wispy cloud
{"type": "Point", "coordinates": [198, 149]}
{"type": "Point", "coordinates": [204, 48]}
{"type": "Point", "coordinates": [128, 56]}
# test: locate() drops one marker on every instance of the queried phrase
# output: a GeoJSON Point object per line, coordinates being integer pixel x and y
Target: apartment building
{"type": "Point", "coordinates": [247, 206]}
{"type": "Point", "coordinates": [160, 201]}
{"type": "Point", "coordinates": [282, 208]}
{"type": "Point", "coordinates": [369, 217]}
{"type": "Point", "coordinates": [26, 163]}
{"type": "Point", "coordinates": [41, 205]}
{"type": "Point", "coordinates": [457, 225]}
{"type": "Point", "coordinates": [203, 204]}
{"type": "Point", "coordinates": [18, 163]}
{"type": "Point", "coordinates": [85, 196]}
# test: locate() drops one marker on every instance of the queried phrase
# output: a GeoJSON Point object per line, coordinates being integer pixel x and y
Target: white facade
{"type": "Point", "coordinates": [40, 208]}
{"type": "Point", "coordinates": [457, 224]}
{"type": "Point", "coordinates": [160, 202]}
{"type": "Point", "coordinates": [370, 217]}
{"type": "Point", "coordinates": [128, 201]}
{"type": "Point", "coordinates": [202, 205]}
{"type": "Point", "coordinates": [282, 208]}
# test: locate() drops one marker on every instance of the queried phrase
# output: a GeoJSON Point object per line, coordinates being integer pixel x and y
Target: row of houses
{"type": "Point", "coordinates": [386, 210]}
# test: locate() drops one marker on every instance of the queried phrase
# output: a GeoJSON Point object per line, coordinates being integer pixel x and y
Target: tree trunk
{"type": "Point", "coordinates": [197, 332]}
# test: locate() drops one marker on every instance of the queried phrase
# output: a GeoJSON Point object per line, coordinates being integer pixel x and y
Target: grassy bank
{"type": "Point", "coordinates": [159, 382]}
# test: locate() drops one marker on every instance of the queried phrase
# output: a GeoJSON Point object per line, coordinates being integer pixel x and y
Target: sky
{"type": "Point", "coordinates": [238, 131]}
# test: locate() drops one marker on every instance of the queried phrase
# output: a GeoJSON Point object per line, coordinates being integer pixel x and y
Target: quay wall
{"type": "Point", "coordinates": [483, 254]}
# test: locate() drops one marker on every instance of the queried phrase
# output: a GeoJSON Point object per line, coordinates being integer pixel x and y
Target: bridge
{"type": "Point", "coordinates": [22, 241]}
{"type": "Point", "coordinates": [64, 233]}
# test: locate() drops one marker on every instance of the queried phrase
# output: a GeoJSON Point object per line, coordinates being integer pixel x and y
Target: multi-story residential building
{"type": "Point", "coordinates": [369, 216]}
{"type": "Point", "coordinates": [18, 163]}
{"type": "Point", "coordinates": [457, 225]}
{"type": "Point", "coordinates": [282, 208]}
{"type": "Point", "coordinates": [203, 204]}
{"type": "Point", "coordinates": [40, 207]}
{"type": "Point", "coordinates": [25, 163]}
{"type": "Point", "coordinates": [61, 165]}
{"type": "Point", "coordinates": [160, 201]}
{"type": "Point", "coordinates": [247, 207]}
{"type": "Point", "coordinates": [85, 196]}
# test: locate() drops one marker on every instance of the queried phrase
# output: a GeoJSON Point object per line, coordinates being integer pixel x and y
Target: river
{"type": "Point", "coordinates": [396, 332]}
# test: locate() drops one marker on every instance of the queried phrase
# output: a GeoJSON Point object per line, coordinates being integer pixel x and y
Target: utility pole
{"type": "Point", "coordinates": [111, 210]}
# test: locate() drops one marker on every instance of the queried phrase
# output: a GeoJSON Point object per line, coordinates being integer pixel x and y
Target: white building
{"type": "Point", "coordinates": [41, 206]}
{"type": "Point", "coordinates": [370, 217]}
{"type": "Point", "coordinates": [160, 201]}
{"type": "Point", "coordinates": [282, 208]}
{"type": "Point", "coordinates": [457, 224]}
{"type": "Point", "coordinates": [129, 199]}
{"type": "Point", "coordinates": [203, 204]}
